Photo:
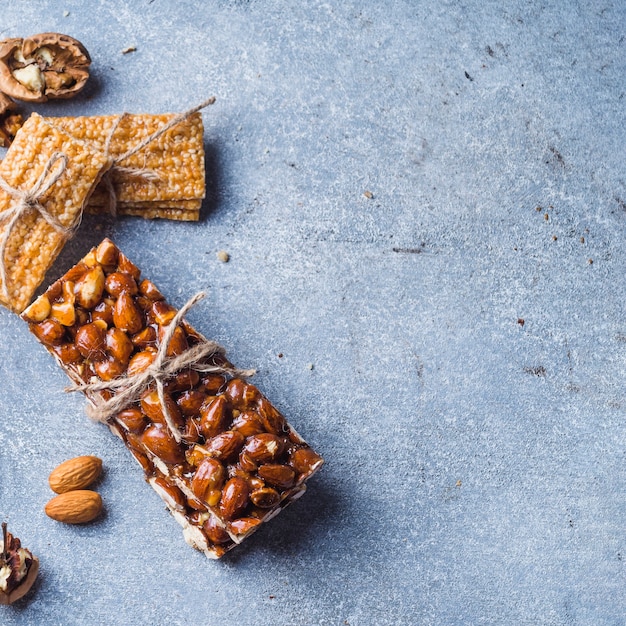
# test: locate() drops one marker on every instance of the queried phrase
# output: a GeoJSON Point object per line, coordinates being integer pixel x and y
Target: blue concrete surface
{"type": "Point", "coordinates": [465, 324]}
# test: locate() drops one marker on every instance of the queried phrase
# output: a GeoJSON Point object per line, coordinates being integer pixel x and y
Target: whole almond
{"type": "Point", "coordinates": [117, 283]}
{"type": "Point", "coordinates": [304, 460]}
{"type": "Point", "coordinates": [126, 314]}
{"type": "Point", "coordinates": [264, 447]}
{"type": "Point", "coordinates": [215, 532]}
{"type": "Point", "coordinates": [226, 445]}
{"type": "Point", "coordinates": [277, 475]}
{"type": "Point", "coordinates": [273, 421]}
{"type": "Point", "coordinates": [159, 441]}
{"type": "Point", "coordinates": [212, 414]}
{"type": "Point", "coordinates": [89, 288]}
{"type": "Point", "coordinates": [107, 253]}
{"type": "Point", "coordinates": [76, 473]}
{"type": "Point", "coordinates": [248, 423]}
{"type": "Point", "coordinates": [234, 498]}
{"type": "Point", "coordinates": [208, 477]}
{"type": "Point", "coordinates": [75, 507]}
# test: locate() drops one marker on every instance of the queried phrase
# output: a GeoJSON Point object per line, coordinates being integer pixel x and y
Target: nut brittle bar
{"type": "Point", "coordinates": [33, 242]}
{"type": "Point", "coordinates": [221, 456]}
{"type": "Point", "coordinates": [175, 160]}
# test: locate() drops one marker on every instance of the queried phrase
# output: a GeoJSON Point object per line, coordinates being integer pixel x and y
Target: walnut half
{"type": "Point", "coordinates": [43, 67]}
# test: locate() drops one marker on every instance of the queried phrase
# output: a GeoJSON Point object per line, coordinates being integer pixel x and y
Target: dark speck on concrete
{"type": "Point", "coordinates": [536, 370]}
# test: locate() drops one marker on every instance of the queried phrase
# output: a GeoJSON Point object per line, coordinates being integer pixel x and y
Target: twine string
{"type": "Point", "coordinates": [129, 389]}
{"type": "Point", "coordinates": [139, 173]}
{"type": "Point", "coordinates": [28, 200]}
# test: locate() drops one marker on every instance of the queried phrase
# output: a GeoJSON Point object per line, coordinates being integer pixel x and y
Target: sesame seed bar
{"type": "Point", "coordinates": [238, 462]}
{"type": "Point", "coordinates": [33, 244]}
{"type": "Point", "coordinates": [176, 157]}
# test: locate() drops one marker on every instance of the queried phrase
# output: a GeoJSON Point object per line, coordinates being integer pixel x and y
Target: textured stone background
{"type": "Point", "coordinates": [475, 464]}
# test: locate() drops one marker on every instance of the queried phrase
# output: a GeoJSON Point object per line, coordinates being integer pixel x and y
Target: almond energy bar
{"type": "Point", "coordinates": [220, 455]}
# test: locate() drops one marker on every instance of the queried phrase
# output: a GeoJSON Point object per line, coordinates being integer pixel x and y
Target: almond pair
{"type": "Point", "coordinates": [75, 504]}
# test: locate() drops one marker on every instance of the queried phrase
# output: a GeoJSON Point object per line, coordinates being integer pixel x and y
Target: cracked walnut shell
{"type": "Point", "coordinates": [10, 121]}
{"type": "Point", "coordinates": [18, 568]}
{"type": "Point", "coordinates": [43, 67]}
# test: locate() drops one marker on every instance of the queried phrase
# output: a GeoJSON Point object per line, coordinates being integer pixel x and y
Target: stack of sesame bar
{"type": "Point", "coordinates": [146, 165]}
{"type": "Point", "coordinates": [174, 161]}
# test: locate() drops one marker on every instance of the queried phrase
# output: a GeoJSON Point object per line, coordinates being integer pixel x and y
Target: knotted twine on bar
{"type": "Point", "coordinates": [139, 173]}
{"type": "Point", "coordinates": [129, 389]}
{"type": "Point", "coordinates": [28, 200]}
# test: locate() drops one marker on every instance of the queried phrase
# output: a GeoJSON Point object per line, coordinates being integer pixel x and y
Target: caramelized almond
{"type": "Point", "coordinates": [212, 383]}
{"type": "Point", "coordinates": [265, 498]}
{"type": "Point", "coordinates": [234, 498]}
{"type": "Point", "coordinates": [126, 314]}
{"type": "Point", "coordinates": [89, 288]}
{"type": "Point", "coordinates": [162, 312]}
{"type": "Point", "coordinates": [108, 369]}
{"type": "Point", "coordinates": [208, 477]}
{"type": "Point", "coordinates": [264, 447]}
{"type": "Point", "coordinates": [248, 423]}
{"type": "Point", "coordinates": [90, 341]}
{"type": "Point", "coordinates": [38, 311]}
{"type": "Point", "coordinates": [49, 332]}
{"type": "Point", "coordinates": [151, 406]}
{"type": "Point", "coordinates": [149, 290]}
{"type": "Point", "coordinates": [67, 353]}
{"type": "Point", "coordinates": [226, 445]}
{"type": "Point", "coordinates": [133, 420]}
{"type": "Point", "coordinates": [273, 421]}
{"type": "Point", "coordinates": [213, 416]}
{"type": "Point", "coordinates": [144, 338]}
{"type": "Point", "coordinates": [171, 494]}
{"type": "Point", "coordinates": [119, 345]}
{"type": "Point", "coordinates": [189, 402]}
{"type": "Point", "coordinates": [304, 460]}
{"type": "Point", "coordinates": [103, 311]}
{"type": "Point", "coordinates": [277, 475]}
{"type": "Point", "coordinates": [124, 264]}
{"type": "Point", "coordinates": [141, 361]}
{"type": "Point", "coordinates": [178, 343]}
{"type": "Point", "coordinates": [106, 253]}
{"type": "Point", "coordinates": [214, 532]}
{"type": "Point", "coordinates": [158, 440]}
{"type": "Point", "coordinates": [118, 283]}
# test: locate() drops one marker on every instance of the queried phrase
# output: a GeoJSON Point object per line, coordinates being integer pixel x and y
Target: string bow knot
{"type": "Point", "coordinates": [145, 174]}
{"type": "Point", "coordinates": [29, 200]}
{"type": "Point", "coordinates": [129, 389]}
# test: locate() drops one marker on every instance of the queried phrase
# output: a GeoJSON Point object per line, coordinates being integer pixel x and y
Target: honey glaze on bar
{"type": "Point", "coordinates": [239, 462]}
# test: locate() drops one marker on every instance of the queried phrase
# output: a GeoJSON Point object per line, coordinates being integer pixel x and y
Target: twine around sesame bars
{"type": "Point", "coordinates": [148, 165]}
{"type": "Point", "coordinates": [220, 455]}
{"type": "Point", "coordinates": [47, 178]}
{"type": "Point", "coordinates": [158, 162]}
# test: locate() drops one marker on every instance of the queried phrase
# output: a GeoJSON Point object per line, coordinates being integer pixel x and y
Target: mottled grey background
{"type": "Point", "coordinates": [466, 323]}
